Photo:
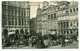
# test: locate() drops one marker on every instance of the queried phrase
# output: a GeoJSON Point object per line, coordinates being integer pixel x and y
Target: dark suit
{"type": "Point", "coordinates": [62, 40]}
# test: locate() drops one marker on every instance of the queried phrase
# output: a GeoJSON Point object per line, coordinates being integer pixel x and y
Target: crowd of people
{"type": "Point", "coordinates": [38, 40]}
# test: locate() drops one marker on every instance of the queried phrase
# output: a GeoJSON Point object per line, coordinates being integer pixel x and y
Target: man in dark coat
{"type": "Point", "coordinates": [62, 36]}
{"type": "Point", "coordinates": [40, 41]}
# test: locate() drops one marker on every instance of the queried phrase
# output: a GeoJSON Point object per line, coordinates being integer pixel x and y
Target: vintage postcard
{"type": "Point", "coordinates": [40, 25]}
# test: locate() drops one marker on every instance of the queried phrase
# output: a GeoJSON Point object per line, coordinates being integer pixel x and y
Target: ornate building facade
{"type": "Point", "coordinates": [15, 17]}
{"type": "Point", "coordinates": [46, 19]}
{"type": "Point", "coordinates": [68, 18]}
{"type": "Point", "coordinates": [62, 18]}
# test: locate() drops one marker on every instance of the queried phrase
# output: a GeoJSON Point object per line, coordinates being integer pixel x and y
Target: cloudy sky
{"type": "Point", "coordinates": [33, 7]}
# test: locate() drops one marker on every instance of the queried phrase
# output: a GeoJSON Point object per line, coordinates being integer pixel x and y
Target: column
{"type": "Point", "coordinates": [14, 20]}
{"type": "Point", "coordinates": [69, 31]}
{"type": "Point", "coordinates": [7, 19]}
{"type": "Point", "coordinates": [17, 16]}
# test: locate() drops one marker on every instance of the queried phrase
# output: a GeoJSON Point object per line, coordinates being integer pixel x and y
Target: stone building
{"type": "Point", "coordinates": [68, 18]}
{"type": "Point", "coordinates": [15, 17]}
{"type": "Point", "coordinates": [61, 17]}
{"type": "Point", "coordinates": [46, 19]}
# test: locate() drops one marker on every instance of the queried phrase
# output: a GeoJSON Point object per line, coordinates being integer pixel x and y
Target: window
{"type": "Point", "coordinates": [6, 11]}
{"type": "Point", "coordinates": [77, 23]}
{"type": "Point", "coordinates": [3, 2]}
{"type": "Point", "coordinates": [59, 24]}
{"type": "Point", "coordinates": [48, 16]}
{"type": "Point", "coordinates": [74, 9]}
{"type": "Point", "coordinates": [22, 12]}
{"type": "Point", "coordinates": [28, 12]}
{"type": "Point", "coordinates": [3, 6]}
{"type": "Point", "coordinates": [71, 31]}
{"type": "Point", "coordinates": [54, 15]}
{"type": "Point", "coordinates": [9, 22]}
{"type": "Point", "coordinates": [70, 24]}
{"type": "Point", "coordinates": [6, 7]}
{"type": "Point", "coordinates": [19, 11]}
{"type": "Point", "coordinates": [51, 16]}
{"type": "Point", "coordinates": [58, 7]}
{"type": "Point", "coordinates": [66, 12]}
{"type": "Point", "coordinates": [66, 25]}
{"type": "Point", "coordinates": [15, 21]}
{"type": "Point", "coordinates": [5, 23]}
{"type": "Point", "coordinates": [67, 32]}
{"type": "Point", "coordinates": [10, 10]}
{"type": "Point", "coordinates": [12, 21]}
{"type": "Point", "coordinates": [4, 20]}
{"type": "Point", "coordinates": [14, 10]}
{"type": "Point", "coordinates": [19, 21]}
{"type": "Point", "coordinates": [70, 10]}
{"type": "Point", "coordinates": [22, 21]}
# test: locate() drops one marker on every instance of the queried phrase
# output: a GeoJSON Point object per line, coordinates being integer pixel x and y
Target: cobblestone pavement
{"type": "Point", "coordinates": [20, 47]}
{"type": "Point", "coordinates": [74, 45]}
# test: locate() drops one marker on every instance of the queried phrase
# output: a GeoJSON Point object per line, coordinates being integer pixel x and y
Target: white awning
{"type": "Point", "coordinates": [11, 33]}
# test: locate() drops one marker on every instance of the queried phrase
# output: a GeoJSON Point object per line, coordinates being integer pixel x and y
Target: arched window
{"type": "Point", "coordinates": [5, 32]}
{"type": "Point", "coordinates": [70, 10]}
{"type": "Point", "coordinates": [21, 31]}
{"type": "Point", "coordinates": [17, 32]}
{"type": "Point", "coordinates": [74, 9]}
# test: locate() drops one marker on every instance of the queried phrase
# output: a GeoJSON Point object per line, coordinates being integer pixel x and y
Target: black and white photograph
{"type": "Point", "coordinates": [40, 25]}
